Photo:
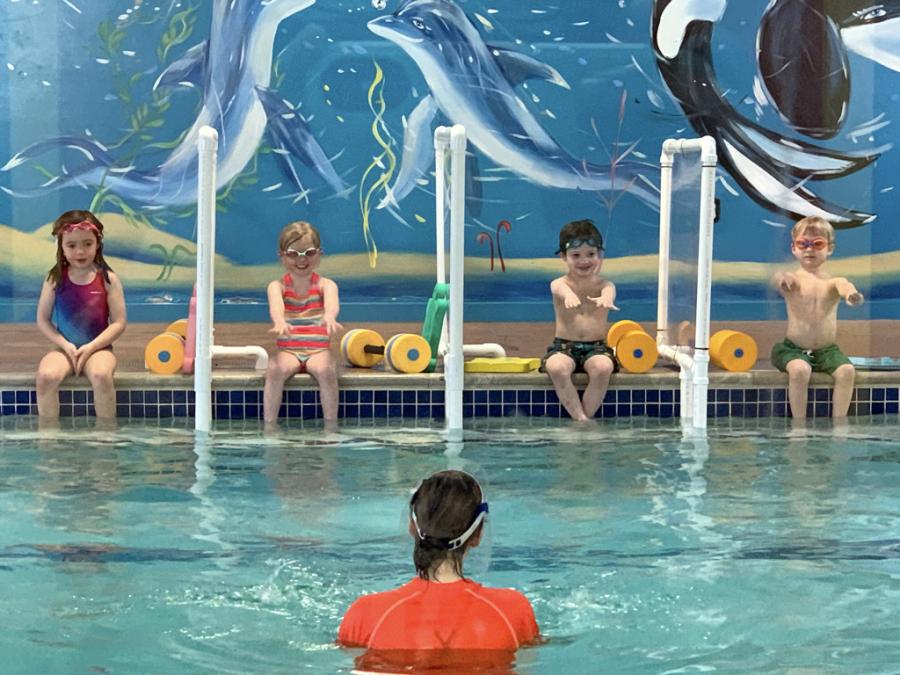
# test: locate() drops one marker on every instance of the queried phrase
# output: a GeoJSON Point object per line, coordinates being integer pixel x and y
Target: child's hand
{"type": "Point", "coordinates": [603, 303]}
{"type": "Point", "coordinates": [785, 281]}
{"type": "Point", "coordinates": [855, 298]}
{"type": "Point", "coordinates": [71, 352]}
{"type": "Point", "coordinates": [82, 354]}
{"type": "Point", "coordinates": [571, 300]}
{"type": "Point", "coordinates": [331, 325]}
{"type": "Point", "coordinates": [280, 328]}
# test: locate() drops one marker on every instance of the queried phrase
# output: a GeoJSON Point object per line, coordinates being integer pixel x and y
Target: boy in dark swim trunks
{"type": "Point", "coordinates": [812, 297]}
{"type": "Point", "coordinates": [581, 301]}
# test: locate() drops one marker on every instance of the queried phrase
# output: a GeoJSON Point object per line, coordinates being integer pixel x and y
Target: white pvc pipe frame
{"type": "Point", "coordinates": [694, 367]}
{"type": "Point", "coordinates": [453, 138]}
{"type": "Point", "coordinates": [204, 350]}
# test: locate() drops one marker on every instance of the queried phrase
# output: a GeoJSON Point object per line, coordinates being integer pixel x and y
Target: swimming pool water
{"type": "Point", "coordinates": [762, 549]}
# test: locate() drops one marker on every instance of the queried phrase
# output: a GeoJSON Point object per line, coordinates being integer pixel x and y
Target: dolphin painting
{"type": "Point", "coordinates": [771, 169]}
{"type": "Point", "coordinates": [473, 84]}
{"type": "Point", "coordinates": [802, 57]}
{"type": "Point", "coordinates": [234, 69]}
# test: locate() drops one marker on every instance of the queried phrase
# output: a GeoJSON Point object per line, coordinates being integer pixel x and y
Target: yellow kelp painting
{"type": "Point", "coordinates": [386, 161]}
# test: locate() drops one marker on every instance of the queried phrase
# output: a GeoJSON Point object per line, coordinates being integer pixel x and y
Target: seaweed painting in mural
{"type": "Point", "coordinates": [233, 68]}
{"type": "Point", "coordinates": [772, 169]}
{"type": "Point", "coordinates": [473, 84]}
{"type": "Point", "coordinates": [802, 56]}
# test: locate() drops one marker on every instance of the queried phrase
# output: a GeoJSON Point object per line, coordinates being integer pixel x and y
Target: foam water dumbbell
{"type": "Point", "coordinates": [732, 350]}
{"type": "Point", "coordinates": [635, 349]}
{"type": "Point", "coordinates": [405, 352]}
{"type": "Point", "coordinates": [164, 354]}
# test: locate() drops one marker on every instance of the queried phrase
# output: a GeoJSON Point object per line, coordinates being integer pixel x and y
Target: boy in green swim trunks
{"type": "Point", "coordinates": [812, 297]}
{"type": "Point", "coordinates": [581, 302]}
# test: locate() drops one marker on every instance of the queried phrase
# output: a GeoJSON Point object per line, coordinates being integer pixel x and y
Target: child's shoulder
{"type": "Point", "coordinates": [326, 281]}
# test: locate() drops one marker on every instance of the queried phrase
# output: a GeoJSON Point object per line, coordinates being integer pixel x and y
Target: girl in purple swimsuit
{"type": "Point", "coordinates": [82, 312]}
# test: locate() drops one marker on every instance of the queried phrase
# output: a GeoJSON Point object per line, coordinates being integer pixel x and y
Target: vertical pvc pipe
{"type": "Point", "coordinates": [441, 142]}
{"type": "Point", "coordinates": [206, 244]}
{"type": "Point", "coordinates": [665, 218]}
{"type": "Point", "coordinates": [453, 361]}
{"type": "Point", "coordinates": [708, 160]}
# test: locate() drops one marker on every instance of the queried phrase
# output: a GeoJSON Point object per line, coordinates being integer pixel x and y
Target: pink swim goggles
{"type": "Point", "coordinates": [83, 225]}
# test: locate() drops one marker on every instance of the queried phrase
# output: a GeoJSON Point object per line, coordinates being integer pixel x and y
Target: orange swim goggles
{"type": "Point", "coordinates": [816, 244]}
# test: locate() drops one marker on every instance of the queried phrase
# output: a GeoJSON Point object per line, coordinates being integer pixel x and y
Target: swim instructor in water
{"type": "Point", "coordinates": [440, 609]}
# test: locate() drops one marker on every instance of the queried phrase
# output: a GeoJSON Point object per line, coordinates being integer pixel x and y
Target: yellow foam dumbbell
{"type": "Point", "coordinates": [635, 349]}
{"type": "Point", "coordinates": [405, 352]}
{"type": "Point", "coordinates": [733, 350]}
{"type": "Point", "coordinates": [408, 353]}
{"type": "Point", "coordinates": [362, 347]}
{"type": "Point", "coordinates": [164, 354]}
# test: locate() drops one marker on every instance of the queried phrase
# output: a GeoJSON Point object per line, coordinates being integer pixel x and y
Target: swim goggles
{"type": "Point", "coordinates": [294, 253]}
{"type": "Point", "coordinates": [83, 225]}
{"type": "Point", "coordinates": [580, 241]}
{"type": "Point", "coordinates": [456, 542]}
{"type": "Point", "coordinates": [817, 244]}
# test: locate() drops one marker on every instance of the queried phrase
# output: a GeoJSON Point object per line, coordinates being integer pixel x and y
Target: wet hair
{"type": "Point", "coordinates": [813, 225]}
{"type": "Point", "coordinates": [59, 225]}
{"type": "Point", "coordinates": [445, 505]}
{"type": "Point", "coordinates": [579, 229]}
{"type": "Point", "coordinates": [297, 230]}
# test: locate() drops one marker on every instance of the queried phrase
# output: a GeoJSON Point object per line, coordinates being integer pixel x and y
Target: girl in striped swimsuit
{"type": "Point", "coordinates": [304, 308]}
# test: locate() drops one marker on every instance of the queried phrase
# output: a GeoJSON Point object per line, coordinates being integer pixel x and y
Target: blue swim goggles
{"type": "Point", "coordinates": [580, 241]}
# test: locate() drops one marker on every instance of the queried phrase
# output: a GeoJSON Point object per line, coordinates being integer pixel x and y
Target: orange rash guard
{"type": "Point", "coordinates": [425, 615]}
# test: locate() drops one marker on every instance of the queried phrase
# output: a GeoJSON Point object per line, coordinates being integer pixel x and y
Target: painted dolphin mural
{"type": "Point", "coordinates": [234, 69]}
{"type": "Point", "coordinates": [771, 169]}
{"type": "Point", "coordinates": [473, 84]}
{"type": "Point", "coordinates": [802, 56]}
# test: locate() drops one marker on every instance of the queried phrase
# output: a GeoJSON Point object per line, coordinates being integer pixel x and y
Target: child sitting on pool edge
{"type": "Point", "coordinates": [304, 308]}
{"type": "Point", "coordinates": [812, 297]}
{"type": "Point", "coordinates": [581, 302]}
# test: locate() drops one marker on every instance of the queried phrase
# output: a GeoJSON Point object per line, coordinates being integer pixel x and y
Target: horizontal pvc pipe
{"type": "Point", "coordinates": [262, 356]}
{"type": "Point", "coordinates": [489, 350]}
{"type": "Point", "coordinates": [682, 359]}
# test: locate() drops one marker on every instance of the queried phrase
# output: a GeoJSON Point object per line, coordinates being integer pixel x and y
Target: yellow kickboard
{"type": "Point", "coordinates": [506, 364]}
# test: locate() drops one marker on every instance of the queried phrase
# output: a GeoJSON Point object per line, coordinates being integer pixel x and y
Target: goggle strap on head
{"type": "Point", "coordinates": [456, 542]}
{"type": "Point", "coordinates": [82, 225]}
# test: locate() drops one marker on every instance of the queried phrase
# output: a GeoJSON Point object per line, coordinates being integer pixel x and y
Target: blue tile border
{"type": "Point", "coordinates": [429, 403]}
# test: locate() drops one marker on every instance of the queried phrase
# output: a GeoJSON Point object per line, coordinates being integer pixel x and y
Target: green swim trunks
{"type": "Point", "coordinates": [824, 360]}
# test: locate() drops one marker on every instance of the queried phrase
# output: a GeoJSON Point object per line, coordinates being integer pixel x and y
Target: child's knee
{"type": "Point", "coordinates": [101, 378]}
{"type": "Point", "coordinates": [321, 369]}
{"type": "Point", "coordinates": [798, 369]}
{"type": "Point", "coordinates": [559, 365]}
{"type": "Point", "coordinates": [47, 380]}
{"type": "Point", "coordinates": [599, 366]}
{"type": "Point", "coordinates": [844, 375]}
{"type": "Point", "coordinates": [280, 369]}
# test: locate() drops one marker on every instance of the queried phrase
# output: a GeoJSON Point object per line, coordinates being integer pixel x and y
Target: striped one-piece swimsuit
{"type": "Point", "coordinates": [304, 314]}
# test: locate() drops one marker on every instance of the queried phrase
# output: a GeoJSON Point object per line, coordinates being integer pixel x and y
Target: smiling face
{"type": "Point", "coordinates": [301, 256]}
{"type": "Point", "coordinates": [79, 247]}
{"type": "Point", "coordinates": [583, 261]}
